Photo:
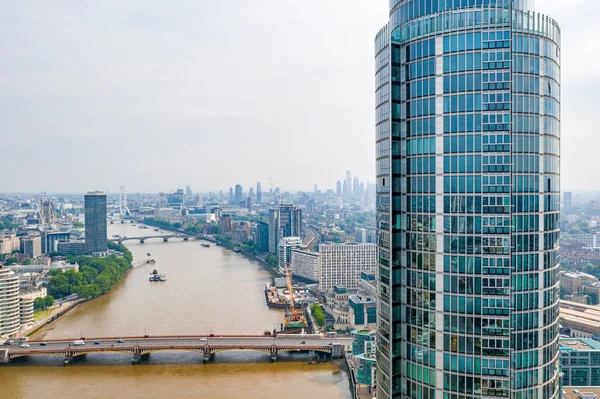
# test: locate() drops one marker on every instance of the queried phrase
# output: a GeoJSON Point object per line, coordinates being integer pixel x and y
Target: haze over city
{"type": "Point", "coordinates": [210, 94]}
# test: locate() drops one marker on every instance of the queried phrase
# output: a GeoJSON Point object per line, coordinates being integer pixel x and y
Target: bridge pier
{"type": "Point", "coordinates": [4, 358]}
{"type": "Point", "coordinates": [274, 352]}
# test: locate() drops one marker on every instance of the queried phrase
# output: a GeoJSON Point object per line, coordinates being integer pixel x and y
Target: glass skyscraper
{"type": "Point", "coordinates": [467, 114]}
{"type": "Point", "coordinates": [95, 222]}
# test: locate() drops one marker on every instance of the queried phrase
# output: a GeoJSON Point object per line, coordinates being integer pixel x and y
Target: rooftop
{"type": "Point", "coordinates": [579, 344]}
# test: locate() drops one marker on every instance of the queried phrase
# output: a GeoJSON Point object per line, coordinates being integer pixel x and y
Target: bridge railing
{"type": "Point", "coordinates": [148, 337]}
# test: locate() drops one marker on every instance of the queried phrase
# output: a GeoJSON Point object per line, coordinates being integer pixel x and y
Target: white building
{"type": "Point", "coordinates": [285, 250]}
{"type": "Point", "coordinates": [10, 316]}
{"type": "Point", "coordinates": [342, 264]}
{"type": "Point", "coordinates": [9, 243]}
{"type": "Point", "coordinates": [305, 264]}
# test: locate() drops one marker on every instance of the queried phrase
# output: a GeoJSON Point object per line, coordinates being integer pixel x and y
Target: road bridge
{"type": "Point", "coordinates": [206, 345]}
{"type": "Point", "coordinates": [164, 237]}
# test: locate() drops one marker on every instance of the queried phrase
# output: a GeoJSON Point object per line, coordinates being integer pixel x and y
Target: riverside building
{"type": "Point", "coordinates": [467, 131]}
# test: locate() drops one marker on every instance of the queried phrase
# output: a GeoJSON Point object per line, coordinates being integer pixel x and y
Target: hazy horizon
{"type": "Point", "coordinates": [212, 94]}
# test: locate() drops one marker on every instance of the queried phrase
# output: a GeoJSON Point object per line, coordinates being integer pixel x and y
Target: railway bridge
{"type": "Point", "coordinates": [206, 345]}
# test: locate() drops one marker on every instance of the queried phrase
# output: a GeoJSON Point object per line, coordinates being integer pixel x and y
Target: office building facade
{"type": "Point", "coordinates": [31, 246]}
{"type": "Point", "coordinates": [342, 264]}
{"type": "Point", "coordinates": [95, 222]}
{"type": "Point", "coordinates": [239, 195]}
{"type": "Point", "coordinates": [467, 132]}
{"type": "Point", "coordinates": [305, 264]}
{"type": "Point", "coordinates": [262, 236]}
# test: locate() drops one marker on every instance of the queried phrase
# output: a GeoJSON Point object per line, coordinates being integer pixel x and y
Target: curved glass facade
{"type": "Point", "coordinates": [9, 303]}
{"type": "Point", "coordinates": [468, 141]}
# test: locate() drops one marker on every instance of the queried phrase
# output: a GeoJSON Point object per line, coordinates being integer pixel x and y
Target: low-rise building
{"type": "Point", "coordinates": [73, 247]}
{"type": "Point", "coordinates": [579, 320]}
{"type": "Point", "coordinates": [580, 362]}
{"type": "Point", "coordinates": [9, 243]}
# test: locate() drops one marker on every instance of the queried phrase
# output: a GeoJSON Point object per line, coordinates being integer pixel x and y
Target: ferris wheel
{"type": "Point", "coordinates": [123, 208]}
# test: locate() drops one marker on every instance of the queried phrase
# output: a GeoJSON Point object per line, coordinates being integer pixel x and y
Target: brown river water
{"type": "Point", "coordinates": [207, 290]}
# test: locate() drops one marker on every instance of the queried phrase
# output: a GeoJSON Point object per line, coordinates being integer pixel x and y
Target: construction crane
{"type": "Point", "coordinates": [294, 318]}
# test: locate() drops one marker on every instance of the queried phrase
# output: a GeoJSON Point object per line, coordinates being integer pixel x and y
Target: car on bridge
{"type": "Point", "coordinates": [78, 343]}
{"type": "Point", "coordinates": [203, 340]}
{"type": "Point", "coordinates": [25, 345]}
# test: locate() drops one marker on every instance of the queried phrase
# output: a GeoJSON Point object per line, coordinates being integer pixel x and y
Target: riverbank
{"type": "Point", "coordinates": [38, 332]}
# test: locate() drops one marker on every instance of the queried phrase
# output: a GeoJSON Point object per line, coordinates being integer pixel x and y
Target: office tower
{"type": "Point", "coordinates": [356, 187]}
{"type": "Point", "coordinates": [262, 235]}
{"type": "Point", "coordinates": [188, 192]}
{"type": "Point", "coordinates": [95, 222]}
{"type": "Point", "coordinates": [348, 185]}
{"type": "Point", "coordinates": [258, 193]}
{"type": "Point", "coordinates": [338, 188]}
{"type": "Point", "coordinates": [238, 194]}
{"type": "Point", "coordinates": [175, 200]}
{"type": "Point", "coordinates": [225, 224]}
{"type": "Point", "coordinates": [285, 220]}
{"type": "Point", "coordinates": [10, 317]}
{"type": "Point", "coordinates": [251, 192]}
{"type": "Point", "coordinates": [315, 189]}
{"type": "Point", "coordinates": [231, 197]}
{"type": "Point", "coordinates": [248, 203]}
{"type": "Point", "coordinates": [162, 200]}
{"type": "Point", "coordinates": [310, 206]}
{"type": "Point", "coordinates": [31, 246]}
{"type": "Point", "coordinates": [467, 98]}
{"type": "Point", "coordinates": [342, 264]}
{"type": "Point", "coordinates": [568, 200]}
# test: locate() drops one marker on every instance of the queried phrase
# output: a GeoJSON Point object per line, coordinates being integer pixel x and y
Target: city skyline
{"type": "Point", "coordinates": [74, 110]}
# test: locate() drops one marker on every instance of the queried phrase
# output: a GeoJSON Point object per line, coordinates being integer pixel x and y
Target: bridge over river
{"type": "Point", "coordinates": [206, 345]}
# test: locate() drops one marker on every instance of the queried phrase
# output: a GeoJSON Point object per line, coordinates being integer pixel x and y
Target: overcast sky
{"type": "Point", "coordinates": [154, 94]}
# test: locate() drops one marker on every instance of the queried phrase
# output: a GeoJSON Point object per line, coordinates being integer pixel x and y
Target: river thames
{"type": "Point", "coordinates": [207, 290]}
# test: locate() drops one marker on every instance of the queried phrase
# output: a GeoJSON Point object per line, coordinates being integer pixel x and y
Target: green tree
{"type": "Point", "coordinates": [49, 301]}
{"type": "Point", "coordinates": [39, 303]}
{"type": "Point", "coordinates": [12, 261]}
{"type": "Point", "coordinates": [78, 225]}
{"type": "Point", "coordinates": [317, 313]}
{"type": "Point", "coordinates": [27, 261]}
{"type": "Point", "coordinates": [271, 260]}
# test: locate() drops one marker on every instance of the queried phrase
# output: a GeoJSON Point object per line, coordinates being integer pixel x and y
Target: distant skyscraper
{"type": "Point", "coordinates": [348, 185]}
{"type": "Point", "coordinates": [231, 196]}
{"type": "Point", "coordinates": [285, 220]}
{"type": "Point", "coordinates": [175, 200]}
{"type": "Point", "coordinates": [262, 235]}
{"type": "Point", "coordinates": [468, 195]}
{"type": "Point", "coordinates": [239, 195]}
{"type": "Point", "coordinates": [356, 187]}
{"type": "Point", "coordinates": [316, 188]}
{"type": "Point", "coordinates": [568, 200]}
{"type": "Point", "coordinates": [338, 188]}
{"type": "Point", "coordinates": [225, 224]}
{"type": "Point", "coordinates": [95, 222]}
{"type": "Point", "coordinates": [258, 193]}
{"type": "Point", "coordinates": [188, 192]}
{"type": "Point", "coordinates": [251, 192]}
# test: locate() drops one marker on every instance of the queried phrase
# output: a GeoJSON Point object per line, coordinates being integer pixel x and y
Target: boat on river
{"type": "Point", "coordinates": [205, 245]}
{"type": "Point", "coordinates": [155, 276]}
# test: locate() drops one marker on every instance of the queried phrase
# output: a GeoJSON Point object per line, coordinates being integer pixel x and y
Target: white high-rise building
{"type": "Point", "coordinates": [341, 264]}
{"type": "Point", "coordinates": [10, 310]}
{"type": "Point", "coordinates": [286, 245]}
